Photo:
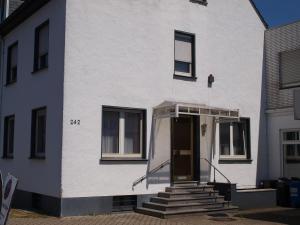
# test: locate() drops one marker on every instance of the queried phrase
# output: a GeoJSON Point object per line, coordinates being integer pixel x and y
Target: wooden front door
{"type": "Point", "coordinates": [182, 149]}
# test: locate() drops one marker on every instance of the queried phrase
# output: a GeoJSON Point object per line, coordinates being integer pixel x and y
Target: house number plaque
{"type": "Point", "coordinates": [75, 122]}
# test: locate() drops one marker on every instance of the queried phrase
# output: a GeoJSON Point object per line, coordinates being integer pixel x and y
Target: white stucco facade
{"type": "Point", "coordinates": [121, 53]}
{"type": "Point", "coordinates": [279, 121]}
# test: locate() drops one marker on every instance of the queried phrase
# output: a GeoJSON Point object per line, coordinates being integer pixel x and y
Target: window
{"type": "Point", "coordinates": [38, 133]}
{"type": "Point", "coordinates": [123, 133]}
{"type": "Point", "coordinates": [235, 139]}
{"type": "Point", "coordinates": [8, 140]}
{"type": "Point", "coordinates": [12, 64]}
{"type": "Point", "coordinates": [184, 54]}
{"type": "Point", "coordinates": [41, 51]}
{"type": "Point", "coordinates": [290, 68]}
{"type": "Point", "coordinates": [291, 145]}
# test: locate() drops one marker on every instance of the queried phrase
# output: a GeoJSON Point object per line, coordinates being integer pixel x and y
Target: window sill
{"type": "Point", "coordinates": [186, 78]}
{"type": "Point", "coordinates": [37, 157]}
{"type": "Point", "coordinates": [201, 2]}
{"type": "Point", "coordinates": [11, 83]}
{"type": "Point", "coordinates": [122, 160]}
{"type": "Point", "coordinates": [39, 70]}
{"type": "Point", "coordinates": [8, 157]}
{"type": "Point", "coordinates": [235, 161]}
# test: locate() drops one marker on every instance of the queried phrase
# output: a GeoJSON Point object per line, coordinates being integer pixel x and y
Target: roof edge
{"type": "Point", "coordinates": [27, 9]}
{"type": "Point", "coordinates": [259, 14]}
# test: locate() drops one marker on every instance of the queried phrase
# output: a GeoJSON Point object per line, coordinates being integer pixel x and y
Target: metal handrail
{"type": "Point", "coordinates": [215, 169]}
{"type": "Point", "coordinates": [140, 180]}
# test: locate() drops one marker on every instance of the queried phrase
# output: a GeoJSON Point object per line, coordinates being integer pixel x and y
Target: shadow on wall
{"type": "Point", "coordinates": [262, 155]}
{"type": "Point", "coordinates": [158, 169]}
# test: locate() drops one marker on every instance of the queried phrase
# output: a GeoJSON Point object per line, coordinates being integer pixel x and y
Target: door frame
{"type": "Point", "coordinates": [196, 148]}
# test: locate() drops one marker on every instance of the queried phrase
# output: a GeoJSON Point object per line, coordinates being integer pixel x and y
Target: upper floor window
{"type": "Point", "coordinates": [235, 139]}
{"type": "Point", "coordinates": [184, 54]}
{"type": "Point", "coordinates": [8, 139]}
{"type": "Point", "coordinates": [290, 68]}
{"type": "Point", "coordinates": [123, 133]}
{"type": "Point", "coordinates": [12, 64]}
{"type": "Point", "coordinates": [41, 51]}
{"type": "Point", "coordinates": [38, 133]}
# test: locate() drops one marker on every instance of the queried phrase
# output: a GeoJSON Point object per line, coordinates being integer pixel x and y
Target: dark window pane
{"type": "Point", "coordinates": [291, 136]}
{"type": "Point", "coordinates": [110, 132]}
{"type": "Point", "coordinates": [41, 46]}
{"type": "Point", "coordinates": [132, 133]}
{"type": "Point", "coordinates": [290, 150]}
{"type": "Point", "coordinates": [8, 146]}
{"type": "Point", "coordinates": [11, 125]}
{"type": "Point", "coordinates": [41, 133]}
{"type": "Point", "coordinates": [298, 150]}
{"type": "Point", "coordinates": [12, 62]}
{"type": "Point", "coordinates": [225, 138]}
{"type": "Point", "coordinates": [238, 139]}
{"type": "Point", "coordinates": [182, 67]}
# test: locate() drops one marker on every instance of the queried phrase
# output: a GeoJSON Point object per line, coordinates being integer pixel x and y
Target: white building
{"type": "Point", "coordinates": [97, 94]}
{"type": "Point", "coordinates": [283, 109]}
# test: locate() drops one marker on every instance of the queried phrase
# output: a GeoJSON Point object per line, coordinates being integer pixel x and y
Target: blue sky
{"type": "Point", "coordinates": [279, 12]}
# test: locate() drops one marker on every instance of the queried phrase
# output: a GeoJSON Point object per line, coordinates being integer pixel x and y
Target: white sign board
{"type": "Point", "coordinates": [7, 195]}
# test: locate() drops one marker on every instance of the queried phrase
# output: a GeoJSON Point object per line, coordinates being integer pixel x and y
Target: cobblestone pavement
{"type": "Point", "coordinates": [259, 217]}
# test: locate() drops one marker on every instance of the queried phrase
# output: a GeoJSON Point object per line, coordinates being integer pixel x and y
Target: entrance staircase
{"type": "Point", "coordinates": [186, 198]}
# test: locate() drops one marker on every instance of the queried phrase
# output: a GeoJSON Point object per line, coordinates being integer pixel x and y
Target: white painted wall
{"type": "Point", "coordinates": [121, 53]}
{"type": "Point", "coordinates": [44, 88]}
{"type": "Point", "coordinates": [278, 121]}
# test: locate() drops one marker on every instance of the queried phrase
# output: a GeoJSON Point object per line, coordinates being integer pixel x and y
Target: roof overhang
{"type": "Point", "coordinates": [28, 8]}
{"type": "Point", "coordinates": [174, 109]}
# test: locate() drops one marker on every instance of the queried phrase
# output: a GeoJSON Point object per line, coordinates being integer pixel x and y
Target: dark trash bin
{"type": "Point", "coordinates": [295, 193]}
{"type": "Point", "coordinates": [283, 192]}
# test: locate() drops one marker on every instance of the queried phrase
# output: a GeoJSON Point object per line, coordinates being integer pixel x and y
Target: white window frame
{"type": "Point", "coordinates": [232, 155]}
{"type": "Point", "coordinates": [290, 142]}
{"type": "Point", "coordinates": [191, 73]}
{"type": "Point", "coordinates": [121, 153]}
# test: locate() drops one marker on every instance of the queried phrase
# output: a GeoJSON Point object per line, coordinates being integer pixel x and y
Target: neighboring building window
{"type": "Point", "coordinates": [38, 133]}
{"type": "Point", "coordinates": [12, 64]}
{"type": "Point", "coordinates": [291, 145]}
{"type": "Point", "coordinates": [184, 54]}
{"type": "Point", "coordinates": [41, 51]}
{"type": "Point", "coordinates": [8, 140]}
{"type": "Point", "coordinates": [290, 68]}
{"type": "Point", "coordinates": [123, 133]}
{"type": "Point", "coordinates": [235, 139]}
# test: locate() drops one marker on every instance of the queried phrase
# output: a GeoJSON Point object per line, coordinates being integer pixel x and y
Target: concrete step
{"type": "Point", "coordinates": [189, 188]}
{"type": "Point", "coordinates": [182, 206]}
{"type": "Point", "coordinates": [186, 212]}
{"type": "Point", "coordinates": [186, 183]}
{"type": "Point", "coordinates": [183, 194]}
{"type": "Point", "coordinates": [186, 200]}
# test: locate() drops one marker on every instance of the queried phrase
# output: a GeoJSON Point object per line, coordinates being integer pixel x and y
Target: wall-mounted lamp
{"type": "Point", "coordinates": [211, 80]}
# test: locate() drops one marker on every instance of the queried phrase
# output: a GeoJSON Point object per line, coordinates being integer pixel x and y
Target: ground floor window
{"type": "Point", "coordinates": [123, 133]}
{"type": "Point", "coordinates": [38, 133]}
{"type": "Point", "coordinates": [291, 145]}
{"type": "Point", "coordinates": [235, 139]}
{"type": "Point", "coordinates": [8, 141]}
